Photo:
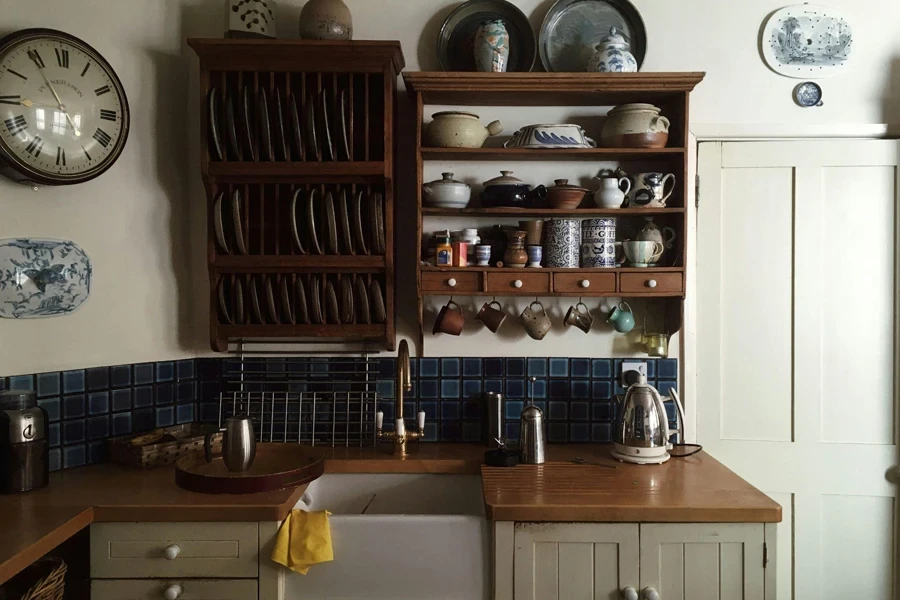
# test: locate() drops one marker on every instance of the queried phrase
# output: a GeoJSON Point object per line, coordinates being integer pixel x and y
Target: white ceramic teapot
{"type": "Point", "coordinates": [610, 193]}
{"type": "Point", "coordinates": [612, 55]}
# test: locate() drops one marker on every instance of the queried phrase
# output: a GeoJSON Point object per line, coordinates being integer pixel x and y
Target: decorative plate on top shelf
{"type": "Point", "coordinates": [42, 278]}
{"type": "Point", "coordinates": [456, 50]}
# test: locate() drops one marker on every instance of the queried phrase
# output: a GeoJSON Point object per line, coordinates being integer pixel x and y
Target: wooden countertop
{"type": "Point", "coordinates": [697, 489]}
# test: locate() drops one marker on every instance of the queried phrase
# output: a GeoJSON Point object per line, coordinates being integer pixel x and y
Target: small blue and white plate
{"type": "Point", "coordinates": [42, 278]}
{"type": "Point", "coordinates": [808, 94]}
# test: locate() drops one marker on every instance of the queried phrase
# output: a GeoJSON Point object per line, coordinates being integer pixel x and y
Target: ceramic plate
{"type": "Point", "coordinates": [300, 295]}
{"type": "Point", "coordinates": [345, 126]}
{"type": "Point", "coordinates": [265, 131]}
{"type": "Point", "coordinates": [315, 306]}
{"type": "Point", "coordinates": [573, 28]}
{"type": "Point", "coordinates": [285, 289]}
{"type": "Point", "coordinates": [247, 122]}
{"type": "Point", "coordinates": [331, 304]}
{"type": "Point", "coordinates": [325, 122]}
{"type": "Point", "coordinates": [346, 235]}
{"type": "Point", "coordinates": [311, 206]}
{"type": "Point", "coordinates": [296, 226]}
{"type": "Point", "coordinates": [357, 215]}
{"type": "Point", "coordinates": [281, 140]}
{"type": "Point", "coordinates": [347, 313]}
{"type": "Point", "coordinates": [807, 94]}
{"type": "Point", "coordinates": [379, 315]}
{"type": "Point", "coordinates": [270, 302]}
{"type": "Point", "coordinates": [215, 148]}
{"type": "Point", "coordinates": [231, 132]}
{"type": "Point", "coordinates": [331, 242]}
{"type": "Point", "coordinates": [379, 222]}
{"type": "Point", "coordinates": [456, 40]}
{"type": "Point", "coordinates": [295, 128]}
{"type": "Point", "coordinates": [237, 296]}
{"type": "Point", "coordinates": [254, 302]}
{"type": "Point", "coordinates": [236, 217]}
{"type": "Point", "coordinates": [363, 314]}
{"type": "Point", "coordinates": [223, 301]}
{"type": "Point", "coordinates": [312, 143]}
{"type": "Point", "coordinates": [219, 225]}
{"type": "Point", "coordinates": [42, 278]}
{"type": "Point", "coordinates": [807, 41]}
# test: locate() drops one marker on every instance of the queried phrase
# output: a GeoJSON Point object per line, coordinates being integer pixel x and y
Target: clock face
{"type": "Point", "coordinates": [63, 112]}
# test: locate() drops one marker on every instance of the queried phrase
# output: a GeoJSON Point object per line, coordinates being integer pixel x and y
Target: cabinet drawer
{"type": "Point", "coordinates": [651, 282]}
{"type": "Point", "coordinates": [191, 589]}
{"type": "Point", "coordinates": [451, 281]}
{"type": "Point", "coordinates": [506, 283]}
{"type": "Point", "coordinates": [121, 550]}
{"type": "Point", "coordinates": [574, 283]}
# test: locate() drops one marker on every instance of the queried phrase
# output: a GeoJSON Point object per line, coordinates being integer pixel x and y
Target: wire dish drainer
{"type": "Point", "coordinates": [299, 397]}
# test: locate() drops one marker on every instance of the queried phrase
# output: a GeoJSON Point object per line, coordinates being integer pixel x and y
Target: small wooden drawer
{"type": "Point", "coordinates": [155, 550]}
{"type": "Point", "coordinates": [584, 283]}
{"type": "Point", "coordinates": [451, 281]}
{"type": "Point", "coordinates": [190, 589]}
{"type": "Point", "coordinates": [651, 282]}
{"type": "Point", "coordinates": [518, 282]}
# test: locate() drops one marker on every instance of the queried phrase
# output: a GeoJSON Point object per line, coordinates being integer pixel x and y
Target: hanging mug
{"type": "Point", "coordinates": [621, 318]}
{"type": "Point", "coordinates": [492, 315]}
{"type": "Point", "coordinates": [535, 322]}
{"type": "Point", "coordinates": [649, 190]}
{"type": "Point", "coordinates": [581, 319]}
{"type": "Point", "coordinates": [450, 320]}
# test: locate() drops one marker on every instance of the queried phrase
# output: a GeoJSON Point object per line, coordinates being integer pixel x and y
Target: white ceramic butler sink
{"type": "Point", "coordinates": [403, 537]}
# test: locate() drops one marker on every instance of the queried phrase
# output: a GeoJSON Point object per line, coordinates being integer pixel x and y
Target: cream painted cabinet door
{"type": "Point", "coordinates": [797, 365]}
{"type": "Point", "coordinates": [718, 561]}
{"type": "Point", "coordinates": [575, 561]}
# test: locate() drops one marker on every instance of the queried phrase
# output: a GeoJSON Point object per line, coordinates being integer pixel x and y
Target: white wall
{"type": "Point", "coordinates": [142, 222]}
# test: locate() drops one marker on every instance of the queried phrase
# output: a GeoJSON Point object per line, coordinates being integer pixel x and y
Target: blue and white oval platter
{"type": "Point", "coordinates": [42, 278]}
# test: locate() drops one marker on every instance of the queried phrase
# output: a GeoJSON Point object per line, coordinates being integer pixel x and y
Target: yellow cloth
{"type": "Point", "coordinates": [303, 540]}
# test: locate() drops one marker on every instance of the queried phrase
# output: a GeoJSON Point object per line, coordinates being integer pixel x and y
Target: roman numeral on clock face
{"type": "Point", "coordinates": [102, 90]}
{"type": "Point", "coordinates": [86, 153]}
{"type": "Point", "coordinates": [60, 157]}
{"type": "Point", "coordinates": [17, 74]}
{"type": "Point", "coordinates": [15, 100]}
{"type": "Point", "coordinates": [36, 57]}
{"type": "Point", "coordinates": [85, 70]}
{"type": "Point", "coordinates": [62, 57]}
{"type": "Point", "coordinates": [35, 146]}
{"type": "Point", "coordinates": [102, 138]}
{"type": "Point", "coordinates": [107, 115]}
{"type": "Point", "coordinates": [16, 125]}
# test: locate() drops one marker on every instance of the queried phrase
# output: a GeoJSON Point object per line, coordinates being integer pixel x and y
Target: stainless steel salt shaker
{"type": "Point", "coordinates": [531, 433]}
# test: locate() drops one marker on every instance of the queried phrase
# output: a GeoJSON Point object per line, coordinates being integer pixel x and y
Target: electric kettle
{"type": "Point", "coordinates": [642, 431]}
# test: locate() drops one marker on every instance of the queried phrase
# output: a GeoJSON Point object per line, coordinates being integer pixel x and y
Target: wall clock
{"type": "Point", "coordinates": [63, 112]}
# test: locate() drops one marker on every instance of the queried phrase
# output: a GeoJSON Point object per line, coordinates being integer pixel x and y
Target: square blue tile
{"type": "Point", "coordinates": [73, 406]}
{"type": "Point", "coordinates": [431, 410]}
{"type": "Point", "coordinates": [601, 432]}
{"type": "Point", "coordinates": [385, 388]}
{"type": "Point", "coordinates": [97, 452]}
{"type": "Point", "coordinates": [671, 412]}
{"type": "Point", "coordinates": [539, 388]}
{"type": "Point", "coordinates": [515, 367]}
{"type": "Point", "coordinates": [413, 367]}
{"type": "Point", "coordinates": [580, 367]}
{"type": "Point", "coordinates": [97, 378]}
{"type": "Point", "coordinates": [143, 373]}
{"type": "Point", "coordinates": [275, 366]}
{"type": "Point", "coordinates": [121, 399]}
{"type": "Point", "coordinates": [55, 459]}
{"type": "Point", "coordinates": [52, 406]}
{"type": "Point", "coordinates": [580, 411]}
{"type": "Point", "coordinates": [601, 368]}
{"type": "Point", "coordinates": [471, 432]}
{"type": "Point", "coordinates": [184, 392]}
{"type": "Point", "coordinates": [209, 368]}
{"type": "Point", "coordinates": [579, 432]}
{"type": "Point", "coordinates": [184, 413]}
{"type": "Point", "coordinates": [387, 367]}
{"type": "Point", "coordinates": [601, 411]}
{"type": "Point", "coordinates": [450, 411]}
{"type": "Point", "coordinates": [471, 367]}
{"type": "Point", "coordinates": [513, 409]}
{"type": "Point", "coordinates": [493, 385]}
{"type": "Point", "coordinates": [471, 388]}
{"type": "Point", "coordinates": [651, 368]}
{"type": "Point", "coordinates": [165, 394]}
{"type": "Point", "coordinates": [559, 367]}
{"type": "Point", "coordinates": [21, 382]}
{"type": "Point", "coordinates": [537, 367]}
{"type": "Point", "coordinates": [387, 407]}
{"type": "Point", "coordinates": [581, 389]}
{"type": "Point", "coordinates": [73, 381]}
{"type": "Point", "coordinates": [601, 390]}
{"type": "Point", "coordinates": [512, 431]}
{"type": "Point", "coordinates": [428, 388]}
{"type": "Point", "coordinates": [121, 424]}
{"type": "Point", "coordinates": [665, 387]}
{"type": "Point", "coordinates": [472, 409]}
{"type": "Point", "coordinates": [451, 431]}
{"type": "Point", "coordinates": [98, 403]}
{"type": "Point", "coordinates": [53, 435]}
{"type": "Point", "coordinates": [559, 411]}
{"type": "Point", "coordinates": [73, 431]}
{"type": "Point", "coordinates": [209, 390]}
{"type": "Point", "coordinates": [165, 371]}
{"type": "Point", "coordinates": [450, 388]}
{"type": "Point", "coordinates": [165, 416]}
{"type": "Point", "coordinates": [209, 412]}
{"type": "Point", "coordinates": [515, 388]}
{"type": "Point", "coordinates": [493, 367]}
{"type": "Point", "coordinates": [558, 433]}
{"type": "Point", "coordinates": [559, 388]}
{"type": "Point", "coordinates": [542, 405]}
{"type": "Point", "coordinates": [48, 384]}
{"type": "Point", "coordinates": [98, 428]}
{"type": "Point", "coordinates": [450, 367]}
{"type": "Point", "coordinates": [184, 369]}
{"type": "Point", "coordinates": [74, 456]}
{"type": "Point", "coordinates": [667, 368]}
{"type": "Point", "coordinates": [431, 432]}
{"type": "Point", "coordinates": [428, 367]}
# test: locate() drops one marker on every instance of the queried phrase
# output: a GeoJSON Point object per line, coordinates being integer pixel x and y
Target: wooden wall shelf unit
{"type": "Point", "coordinates": [669, 91]}
{"type": "Point", "coordinates": [263, 191]}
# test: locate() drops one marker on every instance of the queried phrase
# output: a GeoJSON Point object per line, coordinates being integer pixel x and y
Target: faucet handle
{"type": "Point", "coordinates": [379, 419]}
{"type": "Point", "coordinates": [420, 417]}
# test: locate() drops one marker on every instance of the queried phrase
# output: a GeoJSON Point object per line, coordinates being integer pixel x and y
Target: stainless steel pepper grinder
{"type": "Point", "coordinates": [531, 432]}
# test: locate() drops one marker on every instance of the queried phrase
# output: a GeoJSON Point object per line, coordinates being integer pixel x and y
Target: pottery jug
{"type": "Point", "coordinates": [491, 47]}
{"type": "Point", "coordinates": [456, 129]}
{"type": "Point", "coordinates": [621, 318]}
{"type": "Point", "coordinates": [535, 321]}
{"type": "Point", "coordinates": [652, 233]}
{"type": "Point", "coordinates": [612, 55]}
{"type": "Point", "coordinates": [326, 20]}
{"type": "Point", "coordinates": [610, 193]}
{"type": "Point", "coordinates": [650, 190]}
{"type": "Point", "coordinates": [635, 126]}
{"type": "Point", "coordinates": [515, 255]}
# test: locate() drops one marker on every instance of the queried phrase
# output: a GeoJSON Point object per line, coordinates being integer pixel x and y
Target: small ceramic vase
{"type": "Point", "coordinates": [535, 255]}
{"type": "Point", "coordinates": [612, 55]}
{"type": "Point", "coordinates": [326, 20]}
{"type": "Point", "coordinates": [250, 18]}
{"type": "Point", "coordinates": [515, 255]}
{"type": "Point", "coordinates": [491, 47]}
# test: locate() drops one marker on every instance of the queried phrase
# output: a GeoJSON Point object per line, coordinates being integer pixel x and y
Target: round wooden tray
{"type": "Point", "coordinates": [276, 467]}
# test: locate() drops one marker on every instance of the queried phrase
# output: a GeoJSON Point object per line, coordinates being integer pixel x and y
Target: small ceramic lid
{"type": "Point", "coordinates": [563, 184]}
{"type": "Point", "coordinates": [614, 40]}
{"type": "Point", "coordinates": [506, 178]}
{"type": "Point", "coordinates": [446, 181]}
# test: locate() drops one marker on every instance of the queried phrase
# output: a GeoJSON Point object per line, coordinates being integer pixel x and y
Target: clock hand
{"type": "Point", "coordinates": [30, 103]}
{"type": "Point", "coordinates": [37, 63]}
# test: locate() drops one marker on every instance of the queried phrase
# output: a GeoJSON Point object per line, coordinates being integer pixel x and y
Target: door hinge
{"type": "Point", "coordinates": [765, 555]}
{"type": "Point", "coordinates": [697, 192]}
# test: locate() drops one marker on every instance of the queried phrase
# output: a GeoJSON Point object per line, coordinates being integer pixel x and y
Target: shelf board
{"type": "Point", "coordinates": [519, 154]}
{"type": "Point", "coordinates": [550, 212]}
{"type": "Point", "coordinates": [352, 332]}
{"type": "Point", "coordinates": [247, 169]}
{"type": "Point", "coordinates": [448, 270]}
{"type": "Point", "coordinates": [264, 264]}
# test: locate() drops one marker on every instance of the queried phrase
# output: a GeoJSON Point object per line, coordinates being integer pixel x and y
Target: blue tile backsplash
{"type": "Point", "coordinates": [87, 406]}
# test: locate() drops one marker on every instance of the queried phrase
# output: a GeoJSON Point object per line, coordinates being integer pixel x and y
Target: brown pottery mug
{"type": "Point", "coordinates": [491, 317]}
{"type": "Point", "coordinates": [450, 320]}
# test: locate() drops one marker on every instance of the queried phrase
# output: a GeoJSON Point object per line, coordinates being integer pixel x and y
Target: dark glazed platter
{"type": "Point", "coordinates": [456, 48]}
{"type": "Point", "coordinates": [277, 466]}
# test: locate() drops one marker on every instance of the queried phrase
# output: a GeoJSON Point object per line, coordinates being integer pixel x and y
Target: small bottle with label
{"type": "Point", "coordinates": [444, 252]}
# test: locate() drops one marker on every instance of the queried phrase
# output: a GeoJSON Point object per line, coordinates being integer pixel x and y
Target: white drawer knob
{"type": "Point", "coordinates": [629, 593]}
{"type": "Point", "coordinates": [517, 283]}
{"type": "Point", "coordinates": [585, 283]}
{"type": "Point", "coordinates": [651, 283]}
{"type": "Point", "coordinates": [451, 282]}
{"type": "Point", "coordinates": [173, 592]}
{"type": "Point", "coordinates": [650, 594]}
{"type": "Point", "coordinates": [173, 551]}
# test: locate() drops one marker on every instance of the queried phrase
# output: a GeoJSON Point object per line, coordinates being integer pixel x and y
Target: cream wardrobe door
{"type": "Point", "coordinates": [797, 366]}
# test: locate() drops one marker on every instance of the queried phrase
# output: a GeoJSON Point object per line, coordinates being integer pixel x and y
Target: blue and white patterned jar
{"type": "Point", "coordinates": [491, 47]}
{"type": "Point", "coordinates": [598, 243]}
{"type": "Point", "coordinates": [612, 55]}
{"type": "Point", "coordinates": [563, 243]}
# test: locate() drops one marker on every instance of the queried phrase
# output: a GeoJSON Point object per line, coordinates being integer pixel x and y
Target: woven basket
{"type": "Point", "coordinates": [140, 452]}
{"type": "Point", "coordinates": [52, 582]}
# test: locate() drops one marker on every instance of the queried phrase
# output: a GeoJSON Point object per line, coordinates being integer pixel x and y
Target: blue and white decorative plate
{"type": "Point", "coordinates": [42, 278]}
{"type": "Point", "coordinates": [805, 41]}
{"type": "Point", "coordinates": [808, 94]}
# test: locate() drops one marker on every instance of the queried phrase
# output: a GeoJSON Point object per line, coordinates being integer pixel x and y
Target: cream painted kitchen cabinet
{"type": "Point", "coordinates": [666, 561]}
